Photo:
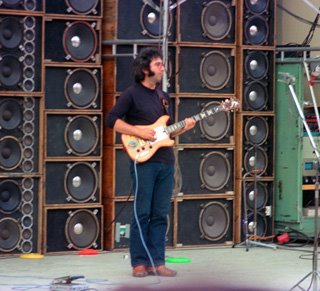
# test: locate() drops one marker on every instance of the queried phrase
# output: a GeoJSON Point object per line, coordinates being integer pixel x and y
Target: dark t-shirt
{"type": "Point", "coordinates": [139, 105]}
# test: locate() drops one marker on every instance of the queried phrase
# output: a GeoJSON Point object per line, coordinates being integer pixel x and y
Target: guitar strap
{"type": "Point", "coordinates": [163, 101]}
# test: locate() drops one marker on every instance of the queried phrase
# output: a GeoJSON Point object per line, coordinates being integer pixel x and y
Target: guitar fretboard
{"type": "Point", "coordinates": [178, 125]}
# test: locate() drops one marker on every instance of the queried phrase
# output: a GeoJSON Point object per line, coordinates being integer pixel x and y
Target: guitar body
{"type": "Point", "coordinates": [142, 150]}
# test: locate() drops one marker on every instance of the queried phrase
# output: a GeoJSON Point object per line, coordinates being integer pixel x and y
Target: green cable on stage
{"type": "Point", "coordinates": [177, 260]}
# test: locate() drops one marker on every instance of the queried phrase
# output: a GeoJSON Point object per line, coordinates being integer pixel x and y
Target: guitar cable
{"type": "Point", "coordinates": [137, 219]}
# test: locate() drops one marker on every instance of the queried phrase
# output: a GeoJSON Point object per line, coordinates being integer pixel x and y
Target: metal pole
{"type": "Point", "coordinates": [165, 43]}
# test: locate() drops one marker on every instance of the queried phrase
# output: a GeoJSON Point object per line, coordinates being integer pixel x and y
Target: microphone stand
{"type": "Point", "coordinates": [290, 80]}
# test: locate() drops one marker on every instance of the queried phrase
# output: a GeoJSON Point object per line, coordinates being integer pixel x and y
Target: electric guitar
{"type": "Point", "coordinates": [142, 150]}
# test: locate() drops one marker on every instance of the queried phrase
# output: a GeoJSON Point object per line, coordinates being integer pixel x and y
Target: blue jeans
{"type": "Point", "coordinates": [155, 185]}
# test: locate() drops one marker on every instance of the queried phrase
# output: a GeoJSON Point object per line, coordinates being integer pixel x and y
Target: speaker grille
{"type": "Point", "coordinates": [10, 114]}
{"type": "Point", "coordinates": [214, 221]}
{"type": "Point", "coordinates": [257, 6]}
{"type": "Point", "coordinates": [82, 6]}
{"type": "Point", "coordinates": [215, 171]}
{"type": "Point", "coordinates": [10, 234]}
{"type": "Point", "coordinates": [10, 196]}
{"type": "Point", "coordinates": [256, 30]}
{"type": "Point", "coordinates": [81, 88]}
{"type": "Point", "coordinates": [256, 65]}
{"type": "Point", "coordinates": [11, 33]}
{"type": "Point", "coordinates": [256, 161]}
{"type": "Point", "coordinates": [81, 135]}
{"type": "Point", "coordinates": [151, 21]}
{"type": "Point", "coordinates": [215, 70]}
{"type": "Point", "coordinates": [260, 198]}
{"type": "Point", "coordinates": [79, 41]}
{"type": "Point", "coordinates": [256, 130]}
{"type": "Point", "coordinates": [256, 96]}
{"type": "Point", "coordinates": [216, 20]}
{"type": "Point", "coordinates": [10, 153]}
{"type": "Point", "coordinates": [216, 126]}
{"type": "Point", "coordinates": [81, 182]}
{"type": "Point", "coordinates": [82, 229]}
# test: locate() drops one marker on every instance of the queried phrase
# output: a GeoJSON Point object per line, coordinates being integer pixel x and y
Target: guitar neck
{"type": "Point", "coordinates": [178, 125]}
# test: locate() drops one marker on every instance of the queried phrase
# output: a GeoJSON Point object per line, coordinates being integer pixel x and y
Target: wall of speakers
{"type": "Point", "coordinates": [73, 125]}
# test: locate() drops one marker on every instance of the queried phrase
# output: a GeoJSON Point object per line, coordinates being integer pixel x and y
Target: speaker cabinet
{"type": "Point", "coordinates": [258, 22]}
{"type": "Point", "coordinates": [139, 20]}
{"type": "Point", "coordinates": [73, 229]}
{"type": "Point", "coordinates": [217, 128]}
{"type": "Point", "coordinates": [29, 5]}
{"type": "Point", "coordinates": [204, 222]}
{"type": "Point", "coordinates": [19, 122]}
{"type": "Point", "coordinates": [124, 76]}
{"type": "Point", "coordinates": [124, 211]}
{"type": "Point", "coordinates": [72, 182]}
{"type": "Point", "coordinates": [258, 77]}
{"type": "Point", "coordinates": [18, 215]}
{"type": "Point", "coordinates": [75, 41]}
{"type": "Point", "coordinates": [258, 145]}
{"type": "Point", "coordinates": [73, 7]}
{"type": "Point", "coordinates": [212, 21]}
{"type": "Point", "coordinates": [20, 56]}
{"type": "Point", "coordinates": [206, 70]}
{"type": "Point", "coordinates": [206, 171]}
{"type": "Point", "coordinates": [259, 201]}
{"type": "Point", "coordinates": [73, 135]}
{"type": "Point", "coordinates": [73, 88]}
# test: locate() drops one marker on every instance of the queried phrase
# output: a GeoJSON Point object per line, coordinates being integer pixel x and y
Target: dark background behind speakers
{"type": "Point", "coordinates": [122, 176]}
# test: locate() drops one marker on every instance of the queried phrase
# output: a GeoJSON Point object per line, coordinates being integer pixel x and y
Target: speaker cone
{"type": "Point", "coordinates": [11, 33]}
{"type": "Point", "coordinates": [10, 234]}
{"type": "Point", "coordinates": [258, 198]}
{"type": "Point", "coordinates": [256, 30]}
{"type": "Point", "coordinates": [79, 41]}
{"type": "Point", "coordinates": [81, 135]}
{"type": "Point", "coordinates": [256, 65]}
{"type": "Point", "coordinates": [214, 221]}
{"type": "Point", "coordinates": [216, 20]}
{"type": "Point", "coordinates": [10, 196]}
{"type": "Point", "coordinates": [257, 6]}
{"type": "Point", "coordinates": [10, 71]}
{"type": "Point", "coordinates": [215, 70]}
{"type": "Point", "coordinates": [10, 114]}
{"type": "Point", "coordinates": [256, 161]}
{"type": "Point", "coordinates": [256, 130]}
{"type": "Point", "coordinates": [258, 227]}
{"type": "Point", "coordinates": [82, 229]}
{"type": "Point", "coordinates": [256, 96]}
{"type": "Point", "coordinates": [81, 182]}
{"type": "Point", "coordinates": [81, 88]}
{"type": "Point", "coordinates": [10, 153]}
{"type": "Point", "coordinates": [150, 20]}
{"type": "Point", "coordinates": [216, 126]}
{"type": "Point", "coordinates": [82, 6]}
{"type": "Point", "coordinates": [214, 170]}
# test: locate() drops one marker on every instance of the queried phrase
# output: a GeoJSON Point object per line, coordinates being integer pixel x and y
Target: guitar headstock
{"type": "Point", "coordinates": [230, 104]}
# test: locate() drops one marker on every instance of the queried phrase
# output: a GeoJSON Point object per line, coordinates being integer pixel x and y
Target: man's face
{"type": "Point", "coordinates": [156, 69]}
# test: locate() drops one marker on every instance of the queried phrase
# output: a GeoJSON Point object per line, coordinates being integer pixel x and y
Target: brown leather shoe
{"type": "Point", "coordinates": [162, 270]}
{"type": "Point", "coordinates": [139, 271]}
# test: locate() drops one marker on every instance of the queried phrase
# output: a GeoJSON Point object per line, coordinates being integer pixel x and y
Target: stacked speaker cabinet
{"type": "Point", "coordinates": [255, 137]}
{"type": "Point", "coordinates": [73, 126]}
{"type": "Point", "coordinates": [20, 127]}
{"type": "Point", "coordinates": [206, 76]}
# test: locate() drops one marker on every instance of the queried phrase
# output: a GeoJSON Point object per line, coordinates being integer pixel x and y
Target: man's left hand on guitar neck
{"type": "Point", "coordinates": [189, 124]}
